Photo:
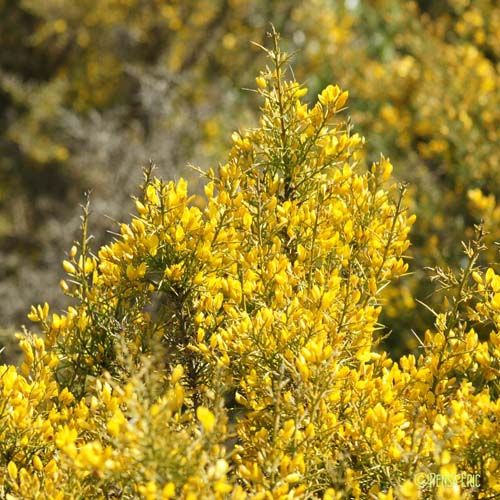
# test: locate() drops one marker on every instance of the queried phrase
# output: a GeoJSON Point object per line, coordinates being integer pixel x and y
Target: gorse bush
{"type": "Point", "coordinates": [89, 90]}
{"type": "Point", "coordinates": [232, 351]}
{"type": "Point", "coordinates": [425, 80]}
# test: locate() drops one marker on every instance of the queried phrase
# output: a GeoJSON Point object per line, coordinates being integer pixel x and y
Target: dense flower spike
{"type": "Point", "coordinates": [231, 351]}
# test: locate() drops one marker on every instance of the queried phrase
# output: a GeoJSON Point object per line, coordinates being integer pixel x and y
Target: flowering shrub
{"type": "Point", "coordinates": [231, 351]}
{"type": "Point", "coordinates": [425, 80]}
{"type": "Point", "coordinates": [90, 89]}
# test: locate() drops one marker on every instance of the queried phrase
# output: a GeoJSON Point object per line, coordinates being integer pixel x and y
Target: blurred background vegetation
{"type": "Point", "coordinates": [90, 91]}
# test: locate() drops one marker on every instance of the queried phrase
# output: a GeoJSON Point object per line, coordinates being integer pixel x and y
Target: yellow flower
{"type": "Point", "coordinates": [168, 491]}
{"type": "Point", "coordinates": [12, 469]}
{"type": "Point", "coordinates": [69, 267]}
{"type": "Point", "coordinates": [206, 417]}
{"type": "Point", "coordinates": [409, 490]}
{"type": "Point", "coordinates": [261, 82]}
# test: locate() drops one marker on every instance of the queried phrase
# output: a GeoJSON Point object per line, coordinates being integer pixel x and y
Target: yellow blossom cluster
{"type": "Point", "coordinates": [162, 76]}
{"type": "Point", "coordinates": [427, 79]}
{"type": "Point", "coordinates": [231, 351]}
